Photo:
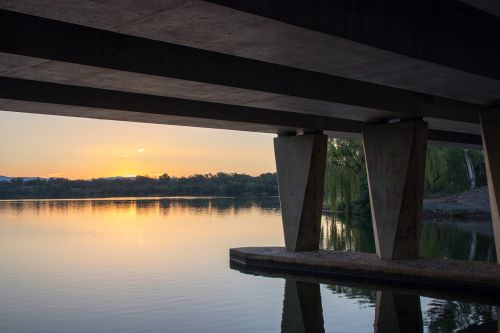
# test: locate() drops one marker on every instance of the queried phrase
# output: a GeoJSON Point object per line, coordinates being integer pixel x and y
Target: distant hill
{"type": "Point", "coordinates": [7, 179]}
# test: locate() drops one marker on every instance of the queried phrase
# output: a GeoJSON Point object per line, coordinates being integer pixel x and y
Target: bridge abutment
{"type": "Point", "coordinates": [301, 163]}
{"type": "Point", "coordinates": [395, 164]}
{"type": "Point", "coordinates": [490, 129]}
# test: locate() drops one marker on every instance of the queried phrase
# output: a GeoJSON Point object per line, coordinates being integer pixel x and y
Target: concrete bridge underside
{"type": "Point", "coordinates": [397, 74]}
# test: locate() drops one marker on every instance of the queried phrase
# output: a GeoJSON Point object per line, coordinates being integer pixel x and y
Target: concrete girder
{"type": "Point", "coordinates": [411, 28]}
{"type": "Point", "coordinates": [66, 43]}
{"type": "Point", "coordinates": [40, 97]}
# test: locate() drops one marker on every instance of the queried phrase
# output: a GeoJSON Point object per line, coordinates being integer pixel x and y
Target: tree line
{"type": "Point", "coordinates": [447, 171]}
{"type": "Point", "coordinates": [220, 184]}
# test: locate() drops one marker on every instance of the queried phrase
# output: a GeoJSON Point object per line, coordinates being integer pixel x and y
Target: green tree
{"type": "Point", "coordinates": [345, 173]}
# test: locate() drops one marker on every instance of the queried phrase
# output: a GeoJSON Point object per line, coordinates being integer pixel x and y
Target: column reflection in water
{"type": "Point", "coordinates": [397, 313]}
{"type": "Point", "coordinates": [302, 308]}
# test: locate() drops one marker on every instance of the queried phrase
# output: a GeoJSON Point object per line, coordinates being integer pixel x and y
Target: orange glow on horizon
{"type": "Point", "coordinates": [78, 148]}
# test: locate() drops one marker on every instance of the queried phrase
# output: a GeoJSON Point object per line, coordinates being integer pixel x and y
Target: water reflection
{"type": "Point", "coordinates": [302, 308]}
{"type": "Point", "coordinates": [396, 310]}
{"type": "Point", "coordinates": [196, 205]}
{"type": "Point", "coordinates": [455, 239]}
{"type": "Point", "coordinates": [160, 264]}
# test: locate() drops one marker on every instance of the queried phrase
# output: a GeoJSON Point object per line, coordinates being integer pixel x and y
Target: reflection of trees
{"type": "Point", "coordinates": [437, 239]}
{"type": "Point", "coordinates": [444, 241]}
{"type": "Point", "coordinates": [343, 233]}
{"type": "Point", "coordinates": [162, 206]}
{"type": "Point", "coordinates": [441, 316]}
{"type": "Point", "coordinates": [364, 297]}
{"type": "Point", "coordinates": [449, 316]}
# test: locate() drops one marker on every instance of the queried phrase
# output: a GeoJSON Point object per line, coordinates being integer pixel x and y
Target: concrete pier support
{"type": "Point", "coordinates": [397, 313]}
{"type": "Point", "coordinates": [490, 129]}
{"type": "Point", "coordinates": [302, 308]}
{"type": "Point", "coordinates": [301, 163]}
{"type": "Point", "coordinates": [395, 163]}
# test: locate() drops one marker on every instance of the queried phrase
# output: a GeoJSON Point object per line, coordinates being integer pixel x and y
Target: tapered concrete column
{"type": "Point", "coordinates": [302, 308]}
{"type": "Point", "coordinates": [397, 313]}
{"type": "Point", "coordinates": [490, 128]}
{"type": "Point", "coordinates": [301, 163]}
{"type": "Point", "coordinates": [395, 163]}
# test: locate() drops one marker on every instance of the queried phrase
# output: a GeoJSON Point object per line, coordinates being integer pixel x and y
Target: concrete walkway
{"type": "Point", "coordinates": [432, 272]}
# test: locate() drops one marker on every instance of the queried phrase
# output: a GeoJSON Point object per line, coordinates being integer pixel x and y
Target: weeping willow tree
{"type": "Point", "coordinates": [448, 171]}
{"type": "Point", "coordinates": [345, 173]}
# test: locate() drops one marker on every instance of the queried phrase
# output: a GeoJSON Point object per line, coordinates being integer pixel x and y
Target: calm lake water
{"type": "Point", "coordinates": [162, 265]}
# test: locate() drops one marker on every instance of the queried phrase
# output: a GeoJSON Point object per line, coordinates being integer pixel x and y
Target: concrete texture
{"type": "Point", "coordinates": [79, 101]}
{"type": "Point", "coordinates": [302, 308]}
{"type": "Point", "coordinates": [426, 274]}
{"type": "Point", "coordinates": [397, 27]}
{"type": "Point", "coordinates": [489, 6]}
{"type": "Point", "coordinates": [120, 58]}
{"type": "Point", "coordinates": [292, 43]}
{"type": "Point", "coordinates": [490, 125]}
{"type": "Point", "coordinates": [205, 52]}
{"type": "Point", "coordinates": [395, 164]}
{"type": "Point", "coordinates": [301, 164]}
{"type": "Point", "coordinates": [397, 313]}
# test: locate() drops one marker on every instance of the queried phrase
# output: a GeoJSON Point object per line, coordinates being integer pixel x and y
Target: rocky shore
{"type": "Point", "coordinates": [470, 205]}
{"type": "Point", "coordinates": [473, 204]}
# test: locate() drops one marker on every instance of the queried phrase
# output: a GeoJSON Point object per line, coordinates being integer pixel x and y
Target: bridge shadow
{"type": "Point", "coordinates": [397, 309]}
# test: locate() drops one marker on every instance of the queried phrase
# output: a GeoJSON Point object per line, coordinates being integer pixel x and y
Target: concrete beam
{"type": "Point", "coordinates": [301, 164]}
{"type": "Point", "coordinates": [490, 125]}
{"type": "Point", "coordinates": [395, 164]}
{"type": "Point", "coordinates": [60, 42]}
{"type": "Point", "coordinates": [397, 313]}
{"type": "Point", "coordinates": [60, 99]}
{"type": "Point", "coordinates": [30, 96]}
{"type": "Point", "coordinates": [411, 28]}
{"type": "Point", "coordinates": [209, 26]}
{"type": "Point", "coordinates": [76, 101]}
{"type": "Point", "coordinates": [302, 308]}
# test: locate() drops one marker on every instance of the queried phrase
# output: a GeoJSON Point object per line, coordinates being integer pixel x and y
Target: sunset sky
{"type": "Point", "coordinates": [53, 146]}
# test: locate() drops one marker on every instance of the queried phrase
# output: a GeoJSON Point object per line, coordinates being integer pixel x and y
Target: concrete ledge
{"type": "Point", "coordinates": [432, 273]}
